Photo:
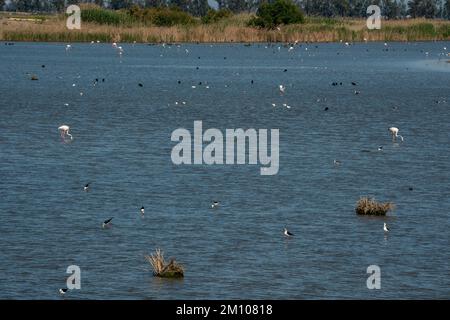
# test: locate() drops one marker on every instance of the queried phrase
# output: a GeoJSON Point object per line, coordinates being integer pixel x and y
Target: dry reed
{"type": "Point", "coordinates": [368, 206]}
{"type": "Point", "coordinates": [233, 29]}
{"type": "Point", "coordinates": [163, 269]}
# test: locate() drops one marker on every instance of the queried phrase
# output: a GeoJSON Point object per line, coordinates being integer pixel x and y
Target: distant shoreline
{"type": "Point", "coordinates": [52, 28]}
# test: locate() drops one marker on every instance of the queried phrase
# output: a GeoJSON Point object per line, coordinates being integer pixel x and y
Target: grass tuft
{"type": "Point", "coordinates": [163, 269]}
{"type": "Point", "coordinates": [368, 206]}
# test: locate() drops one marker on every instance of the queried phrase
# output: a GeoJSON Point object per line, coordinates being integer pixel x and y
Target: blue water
{"type": "Point", "coordinates": [122, 146]}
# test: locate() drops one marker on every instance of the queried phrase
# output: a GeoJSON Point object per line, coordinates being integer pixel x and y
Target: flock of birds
{"type": "Point", "coordinates": [66, 136]}
{"type": "Point", "coordinates": [64, 132]}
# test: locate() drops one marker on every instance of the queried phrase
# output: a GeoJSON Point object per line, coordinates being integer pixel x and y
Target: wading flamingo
{"type": "Point", "coordinates": [394, 132]}
{"type": "Point", "coordinates": [64, 130]}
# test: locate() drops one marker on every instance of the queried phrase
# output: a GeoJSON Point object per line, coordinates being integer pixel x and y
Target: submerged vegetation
{"type": "Point", "coordinates": [278, 22]}
{"type": "Point", "coordinates": [368, 206]}
{"type": "Point", "coordinates": [163, 269]}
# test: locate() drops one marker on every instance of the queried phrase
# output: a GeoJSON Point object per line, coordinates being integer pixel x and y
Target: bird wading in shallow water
{"type": "Point", "coordinates": [394, 133]}
{"type": "Point", "coordinates": [107, 223]}
{"type": "Point", "coordinates": [287, 233]}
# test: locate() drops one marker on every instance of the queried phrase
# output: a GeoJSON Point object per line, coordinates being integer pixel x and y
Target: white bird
{"type": "Point", "coordinates": [380, 148]}
{"type": "Point", "coordinates": [64, 130]}
{"type": "Point", "coordinates": [287, 233]}
{"type": "Point", "coordinates": [274, 105]}
{"type": "Point", "coordinates": [394, 132]}
{"type": "Point", "coordinates": [62, 291]}
{"type": "Point", "coordinates": [142, 210]}
{"type": "Point", "coordinates": [114, 45]}
{"type": "Point", "coordinates": [282, 89]}
{"type": "Point", "coordinates": [68, 47]}
{"type": "Point", "coordinates": [86, 187]}
{"type": "Point", "coordinates": [336, 162]}
{"type": "Point", "coordinates": [215, 204]}
{"type": "Point", "coordinates": [385, 227]}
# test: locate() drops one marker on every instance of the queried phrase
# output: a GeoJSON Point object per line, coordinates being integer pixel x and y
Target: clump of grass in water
{"type": "Point", "coordinates": [368, 206]}
{"type": "Point", "coordinates": [163, 270]}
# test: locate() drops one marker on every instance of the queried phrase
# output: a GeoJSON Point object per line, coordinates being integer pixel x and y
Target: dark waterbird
{"type": "Point", "coordinates": [106, 223]}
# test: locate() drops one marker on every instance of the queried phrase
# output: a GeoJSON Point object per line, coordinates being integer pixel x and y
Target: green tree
{"type": "Point", "coordinates": [341, 8]}
{"type": "Point", "coordinates": [423, 8]}
{"type": "Point", "coordinates": [447, 9]}
{"type": "Point", "coordinates": [390, 9]}
{"type": "Point", "coordinates": [270, 15]}
{"type": "Point", "coordinates": [59, 5]}
{"type": "Point", "coordinates": [121, 4]}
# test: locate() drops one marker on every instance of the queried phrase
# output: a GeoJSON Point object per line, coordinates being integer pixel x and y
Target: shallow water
{"type": "Point", "coordinates": [122, 145]}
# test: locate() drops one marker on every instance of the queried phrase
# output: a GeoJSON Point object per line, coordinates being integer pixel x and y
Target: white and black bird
{"type": "Point", "coordinates": [282, 89]}
{"type": "Point", "coordinates": [385, 227]}
{"type": "Point", "coordinates": [215, 204]}
{"type": "Point", "coordinates": [380, 148]}
{"type": "Point", "coordinates": [287, 233]}
{"type": "Point", "coordinates": [394, 133]}
{"type": "Point", "coordinates": [142, 210]}
{"type": "Point", "coordinates": [336, 162]}
{"type": "Point", "coordinates": [63, 291]}
{"type": "Point", "coordinates": [106, 223]}
{"type": "Point", "coordinates": [86, 187]}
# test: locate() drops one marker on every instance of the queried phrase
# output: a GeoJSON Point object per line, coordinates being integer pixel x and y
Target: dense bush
{"type": "Point", "coordinates": [214, 16]}
{"type": "Point", "coordinates": [270, 15]}
{"type": "Point", "coordinates": [162, 16]}
{"type": "Point", "coordinates": [91, 13]}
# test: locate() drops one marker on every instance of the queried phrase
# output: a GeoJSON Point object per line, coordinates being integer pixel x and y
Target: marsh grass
{"type": "Point", "coordinates": [120, 26]}
{"type": "Point", "coordinates": [163, 269]}
{"type": "Point", "coordinates": [368, 206]}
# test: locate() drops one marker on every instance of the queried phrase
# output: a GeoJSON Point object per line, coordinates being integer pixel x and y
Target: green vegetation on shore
{"type": "Point", "coordinates": [167, 24]}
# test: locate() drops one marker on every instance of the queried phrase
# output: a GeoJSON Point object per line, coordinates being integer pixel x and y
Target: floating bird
{"type": "Point", "coordinates": [336, 162]}
{"type": "Point", "coordinates": [106, 223]}
{"type": "Point", "coordinates": [142, 210]}
{"type": "Point", "coordinates": [63, 291]}
{"type": "Point", "coordinates": [357, 92]}
{"type": "Point", "coordinates": [140, 85]}
{"type": "Point", "coordinates": [326, 109]}
{"type": "Point", "coordinates": [354, 84]}
{"type": "Point", "coordinates": [282, 89]}
{"type": "Point", "coordinates": [385, 227]}
{"type": "Point", "coordinates": [380, 148]}
{"type": "Point", "coordinates": [215, 204]}
{"type": "Point", "coordinates": [86, 187]}
{"type": "Point", "coordinates": [68, 47]}
{"type": "Point", "coordinates": [64, 130]}
{"type": "Point", "coordinates": [394, 132]}
{"type": "Point", "coordinates": [287, 233]}
{"type": "Point", "coordinates": [410, 188]}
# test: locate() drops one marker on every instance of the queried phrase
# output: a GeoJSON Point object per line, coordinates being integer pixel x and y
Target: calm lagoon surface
{"type": "Point", "coordinates": [122, 145]}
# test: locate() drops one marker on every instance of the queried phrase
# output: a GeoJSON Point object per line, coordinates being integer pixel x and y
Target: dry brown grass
{"type": "Point", "coordinates": [163, 269]}
{"type": "Point", "coordinates": [233, 29]}
{"type": "Point", "coordinates": [368, 206]}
